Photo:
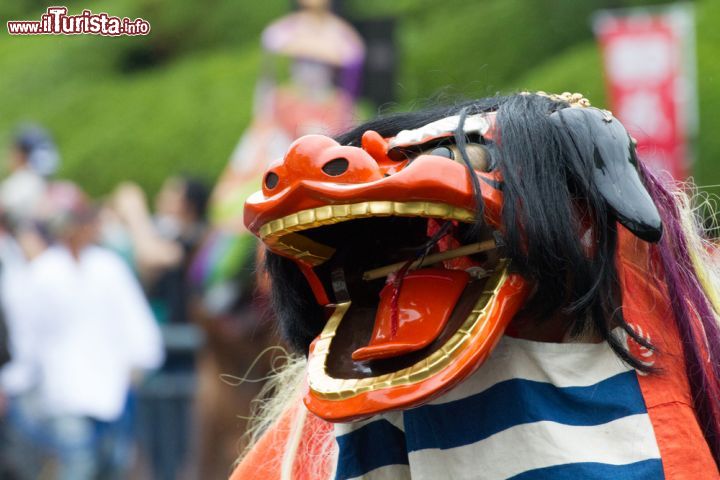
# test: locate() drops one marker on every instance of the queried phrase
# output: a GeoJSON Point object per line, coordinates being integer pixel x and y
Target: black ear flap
{"type": "Point", "coordinates": [598, 136]}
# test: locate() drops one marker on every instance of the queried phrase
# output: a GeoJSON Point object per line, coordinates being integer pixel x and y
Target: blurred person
{"type": "Point", "coordinates": [7, 464]}
{"type": "Point", "coordinates": [308, 83]}
{"type": "Point", "coordinates": [91, 334]}
{"type": "Point", "coordinates": [32, 158]}
{"type": "Point", "coordinates": [160, 247]}
{"type": "Point", "coordinates": [18, 374]}
{"type": "Point", "coordinates": [163, 243]}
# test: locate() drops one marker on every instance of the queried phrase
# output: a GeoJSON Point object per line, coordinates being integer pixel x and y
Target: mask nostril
{"type": "Point", "coordinates": [271, 180]}
{"type": "Point", "coordinates": [336, 166]}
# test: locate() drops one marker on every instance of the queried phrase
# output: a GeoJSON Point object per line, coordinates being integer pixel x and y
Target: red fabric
{"type": "Point", "coordinates": [683, 449]}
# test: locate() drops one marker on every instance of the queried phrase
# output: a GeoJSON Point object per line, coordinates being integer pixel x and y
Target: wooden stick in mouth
{"type": "Point", "coordinates": [430, 259]}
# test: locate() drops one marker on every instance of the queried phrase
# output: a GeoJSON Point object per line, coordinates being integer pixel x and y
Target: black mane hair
{"type": "Point", "coordinates": [549, 194]}
{"type": "Point", "coordinates": [300, 318]}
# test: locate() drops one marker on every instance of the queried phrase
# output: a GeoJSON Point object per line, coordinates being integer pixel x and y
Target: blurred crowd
{"type": "Point", "coordinates": [120, 318]}
{"type": "Point", "coordinates": [87, 293]}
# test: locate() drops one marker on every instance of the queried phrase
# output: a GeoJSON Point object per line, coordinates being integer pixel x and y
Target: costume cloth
{"type": "Point", "coordinates": [534, 410]}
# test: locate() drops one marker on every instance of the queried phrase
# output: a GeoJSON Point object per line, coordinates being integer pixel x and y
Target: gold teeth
{"type": "Point", "coordinates": [302, 248]}
{"type": "Point", "coordinates": [330, 388]}
{"type": "Point", "coordinates": [330, 214]}
{"type": "Point", "coordinates": [277, 233]}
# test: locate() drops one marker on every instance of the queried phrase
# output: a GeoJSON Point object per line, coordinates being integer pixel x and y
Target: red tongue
{"type": "Point", "coordinates": [422, 308]}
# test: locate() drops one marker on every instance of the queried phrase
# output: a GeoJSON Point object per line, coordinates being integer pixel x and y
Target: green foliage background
{"type": "Point", "coordinates": [177, 100]}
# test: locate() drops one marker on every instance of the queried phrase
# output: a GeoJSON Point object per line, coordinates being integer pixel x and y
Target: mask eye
{"type": "Point", "coordinates": [478, 155]}
{"type": "Point", "coordinates": [443, 152]}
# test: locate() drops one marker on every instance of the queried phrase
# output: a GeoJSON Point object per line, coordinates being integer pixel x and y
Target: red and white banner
{"type": "Point", "coordinates": [649, 58]}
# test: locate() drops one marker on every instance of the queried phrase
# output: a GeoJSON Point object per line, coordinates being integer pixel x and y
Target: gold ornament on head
{"type": "Point", "coordinates": [573, 99]}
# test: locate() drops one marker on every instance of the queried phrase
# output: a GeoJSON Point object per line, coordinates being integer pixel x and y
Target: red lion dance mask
{"type": "Point", "coordinates": [399, 255]}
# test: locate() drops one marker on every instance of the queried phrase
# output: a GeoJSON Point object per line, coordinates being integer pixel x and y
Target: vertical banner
{"type": "Point", "coordinates": [649, 60]}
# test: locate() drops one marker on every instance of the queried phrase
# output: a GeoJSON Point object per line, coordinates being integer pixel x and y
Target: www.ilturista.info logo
{"type": "Point", "coordinates": [56, 21]}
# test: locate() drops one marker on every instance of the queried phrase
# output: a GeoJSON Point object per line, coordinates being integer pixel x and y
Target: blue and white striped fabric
{"type": "Point", "coordinates": [533, 411]}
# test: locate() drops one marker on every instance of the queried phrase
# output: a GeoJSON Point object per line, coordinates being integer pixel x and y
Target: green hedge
{"type": "Point", "coordinates": [177, 100]}
{"type": "Point", "coordinates": [113, 118]}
